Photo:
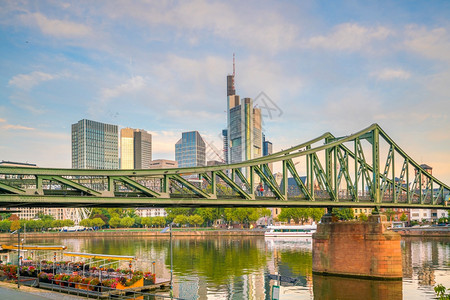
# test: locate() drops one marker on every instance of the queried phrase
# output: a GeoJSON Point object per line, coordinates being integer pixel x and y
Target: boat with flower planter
{"type": "Point", "coordinates": [84, 277]}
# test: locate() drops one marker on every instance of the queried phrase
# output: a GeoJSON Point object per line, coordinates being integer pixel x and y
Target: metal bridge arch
{"type": "Point", "coordinates": [364, 169]}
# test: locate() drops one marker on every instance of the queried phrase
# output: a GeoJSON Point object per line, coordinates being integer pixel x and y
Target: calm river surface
{"type": "Point", "coordinates": [238, 267]}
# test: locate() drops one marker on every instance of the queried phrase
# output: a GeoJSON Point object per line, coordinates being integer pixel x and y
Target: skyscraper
{"type": "Point", "coordinates": [94, 145]}
{"type": "Point", "coordinates": [190, 150]}
{"type": "Point", "coordinates": [267, 150]}
{"type": "Point", "coordinates": [244, 132]}
{"type": "Point", "coordinates": [135, 149]}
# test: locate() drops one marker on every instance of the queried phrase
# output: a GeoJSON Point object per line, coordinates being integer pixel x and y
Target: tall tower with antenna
{"type": "Point", "coordinates": [230, 81]}
{"type": "Point", "coordinates": [243, 137]}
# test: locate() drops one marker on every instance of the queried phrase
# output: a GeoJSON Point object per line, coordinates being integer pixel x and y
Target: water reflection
{"type": "Point", "coordinates": [239, 267]}
{"type": "Point", "coordinates": [331, 288]}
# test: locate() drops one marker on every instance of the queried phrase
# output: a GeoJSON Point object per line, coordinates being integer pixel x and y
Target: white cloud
{"type": "Point", "coordinates": [133, 84]}
{"type": "Point", "coordinates": [390, 74]}
{"type": "Point", "coordinates": [5, 126]}
{"type": "Point", "coordinates": [349, 37]}
{"type": "Point", "coordinates": [28, 81]}
{"type": "Point", "coordinates": [265, 30]}
{"type": "Point", "coordinates": [434, 43]}
{"type": "Point", "coordinates": [55, 27]}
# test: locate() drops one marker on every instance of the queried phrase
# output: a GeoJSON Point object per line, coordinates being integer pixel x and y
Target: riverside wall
{"type": "Point", "coordinates": [128, 233]}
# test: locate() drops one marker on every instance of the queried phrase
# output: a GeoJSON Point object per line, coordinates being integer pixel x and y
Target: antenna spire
{"type": "Point", "coordinates": [234, 73]}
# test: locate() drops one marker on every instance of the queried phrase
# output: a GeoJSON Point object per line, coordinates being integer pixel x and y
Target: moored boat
{"type": "Point", "coordinates": [290, 231]}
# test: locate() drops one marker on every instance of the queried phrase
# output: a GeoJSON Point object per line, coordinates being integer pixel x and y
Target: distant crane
{"type": "Point", "coordinates": [215, 151]}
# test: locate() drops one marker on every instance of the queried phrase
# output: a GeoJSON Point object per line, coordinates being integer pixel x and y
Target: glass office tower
{"type": "Point", "coordinates": [94, 145]}
{"type": "Point", "coordinates": [190, 150]}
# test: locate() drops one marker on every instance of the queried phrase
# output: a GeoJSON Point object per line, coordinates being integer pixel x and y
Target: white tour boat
{"type": "Point", "coordinates": [291, 231]}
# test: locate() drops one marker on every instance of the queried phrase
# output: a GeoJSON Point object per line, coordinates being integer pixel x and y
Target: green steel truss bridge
{"type": "Point", "coordinates": [364, 169]}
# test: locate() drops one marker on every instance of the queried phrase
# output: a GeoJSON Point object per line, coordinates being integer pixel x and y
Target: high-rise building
{"type": "Point", "coordinates": [225, 145]}
{"type": "Point", "coordinates": [190, 150]}
{"type": "Point", "coordinates": [267, 146]}
{"type": "Point", "coordinates": [94, 145]}
{"type": "Point", "coordinates": [135, 149]}
{"type": "Point", "coordinates": [244, 132]}
{"type": "Point", "coordinates": [163, 164]}
{"type": "Point", "coordinates": [267, 150]}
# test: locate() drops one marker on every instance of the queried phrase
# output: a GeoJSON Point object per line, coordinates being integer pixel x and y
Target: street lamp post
{"type": "Point", "coordinates": [171, 263]}
{"type": "Point", "coordinates": [18, 258]}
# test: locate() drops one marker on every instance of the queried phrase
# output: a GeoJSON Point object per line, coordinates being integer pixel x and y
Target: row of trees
{"type": "Point", "coordinates": [45, 222]}
{"type": "Point", "coordinates": [300, 215]}
{"type": "Point", "coordinates": [126, 218]}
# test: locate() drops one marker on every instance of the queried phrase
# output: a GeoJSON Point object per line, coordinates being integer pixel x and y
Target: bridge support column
{"type": "Point", "coordinates": [357, 249]}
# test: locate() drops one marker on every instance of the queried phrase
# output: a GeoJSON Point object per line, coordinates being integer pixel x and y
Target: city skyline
{"type": "Point", "coordinates": [323, 66]}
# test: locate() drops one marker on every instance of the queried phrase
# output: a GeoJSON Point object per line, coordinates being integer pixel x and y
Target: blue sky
{"type": "Point", "coordinates": [335, 66]}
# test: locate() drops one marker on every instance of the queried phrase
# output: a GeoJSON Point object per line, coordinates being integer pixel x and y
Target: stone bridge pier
{"type": "Point", "coordinates": [357, 249]}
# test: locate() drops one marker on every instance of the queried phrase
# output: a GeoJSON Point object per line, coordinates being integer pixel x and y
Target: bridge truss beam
{"type": "Point", "coordinates": [338, 172]}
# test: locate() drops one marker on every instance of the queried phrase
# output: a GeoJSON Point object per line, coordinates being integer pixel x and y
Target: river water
{"type": "Point", "coordinates": [239, 267]}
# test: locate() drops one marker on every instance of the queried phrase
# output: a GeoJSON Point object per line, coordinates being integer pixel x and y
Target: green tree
{"type": "Point", "coordinates": [67, 223]}
{"type": "Point", "coordinates": [114, 211]}
{"type": "Point", "coordinates": [114, 222]}
{"type": "Point", "coordinates": [47, 224]}
{"type": "Point", "coordinates": [295, 213]}
{"type": "Point", "coordinates": [5, 225]}
{"type": "Point", "coordinates": [172, 213]}
{"type": "Point", "coordinates": [363, 217]}
{"type": "Point", "coordinates": [344, 214]}
{"type": "Point", "coordinates": [130, 212]}
{"type": "Point", "coordinates": [98, 222]}
{"type": "Point", "coordinates": [138, 221]}
{"type": "Point", "coordinates": [146, 221]}
{"type": "Point", "coordinates": [207, 213]}
{"type": "Point", "coordinates": [127, 222]}
{"type": "Point", "coordinates": [180, 219]}
{"type": "Point", "coordinates": [57, 223]}
{"type": "Point", "coordinates": [159, 221]}
{"type": "Point", "coordinates": [44, 217]}
{"type": "Point", "coordinates": [403, 217]}
{"type": "Point", "coordinates": [316, 213]}
{"type": "Point", "coordinates": [389, 213]}
{"type": "Point", "coordinates": [196, 220]}
{"type": "Point", "coordinates": [86, 223]}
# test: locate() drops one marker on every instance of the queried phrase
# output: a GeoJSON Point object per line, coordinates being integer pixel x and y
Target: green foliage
{"type": "Point", "coordinates": [363, 217]}
{"type": "Point", "coordinates": [4, 216]}
{"type": "Point", "coordinates": [174, 212]}
{"type": "Point", "coordinates": [443, 220]}
{"type": "Point", "coordinates": [98, 222]}
{"type": "Point", "coordinates": [294, 213]}
{"type": "Point", "coordinates": [403, 217]}
{"type": "Point", "coordinates": [127, 222]}
{"type": "Point", "coordinates": [195, 220]}
{"type": "Point", "coordinates": [45, 217]}
{"type": "Point", "coordinates": [145, 221]}
{"type": "Point", "coordinates": [114, 222]}
{"type": "Point", "coordinates": [130, 212]}
{"type": "Point", "coordinates": [389, 213]}
{"type": "Point", "coordinates": [86, 223]}
{"type": "Point", "coordinates": [5, 225]}
{"type": "Point", "coordinates": [158, 221]}
{"type": "Point", "coordinates": [180, 219]}
{"type": "Point", "coordinates": [344, 214]}
{"type": "Point", "coordinates": [316, 213]}
{"type": "Point", "coordinates": [440, 292]}
{"type": "Point", "coordinates": [209, 214]}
